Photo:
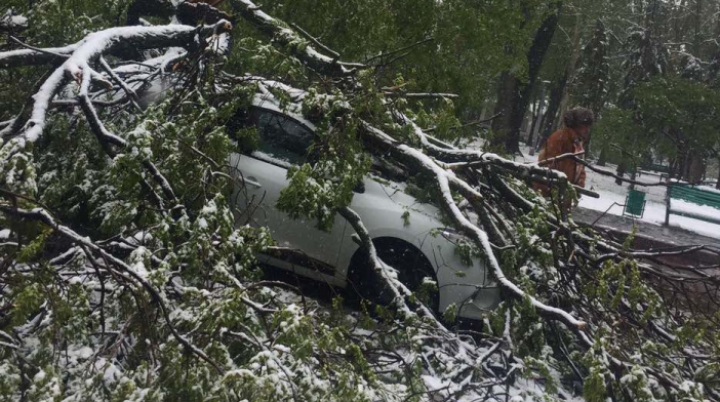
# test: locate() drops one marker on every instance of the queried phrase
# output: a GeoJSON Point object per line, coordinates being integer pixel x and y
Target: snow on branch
{"type": "Point", "coordinates": [88, 51]}
{"type": "Point", "coordinates": [481, 194]}
{"type": "Point", "coordinates": [295, 45]}
{"type": "Point", "coordinates": [444, 178]}
{"type": "Point", "coordinates": [400, 291]}
{"type": "Point", "coordinates": [11, 22]}
{"type": "Point", "coordinates": [39, 214]}
{"type": "Point", "coordinates": [446, 181]}
{"type": "Point", "coordinates": [187, 12]}
{"type": "Point", "coordinates": [31, 57]}
{"type": "Point", "coordinates": [420, 95]}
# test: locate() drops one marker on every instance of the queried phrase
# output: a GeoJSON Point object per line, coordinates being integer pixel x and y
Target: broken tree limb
{"type": "Point", "coordinates": [41, 215]}
{"type": "Point", "coordinates": [420, 95]}
{"type": "Point", "coordinates": [33, 57]}
{"type": "Point", "coordinates": [400, 291]}
{"type": "Point", "coordinates": [609, 174]}
{"type": "Point", "coordinates": [443, 178]}
{"type": "Point", "coordinates": [286, 38]}
{"type": "Point", "coordinates": [316, 42]}
{"type": "Point", "coordinates": [489, 197]}
{"type": "Point", "coordinates": [58, 56]}
{"type": "Point", "coordinates": [129, 91]}
{"type": "Point", "coordinates": [578, 189]}
{"type": "Point", "coordinates": [87, 51]}
{"type": "Point", "coordinates": [549, 161]}
{"type": "Point", "coordinates": [472, 123]}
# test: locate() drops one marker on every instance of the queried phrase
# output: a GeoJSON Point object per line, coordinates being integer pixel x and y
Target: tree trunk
{"type": "Point", "coordinates": [694, 168]}
{"type": "Point", "coordinates": [513, 94]}
{"type": "Point", "coordinates": [621, 169]}
{"type": "Point", "coordinates": [537, 117]}
{"type": "Point", "coordinates": [548, 122]}
{"type": "Point", "coordinates": [680, 165]}
{"type": "Point", "coordinates": [533, 122]}
{"type": "Point", "coordinates": [602, 159]}
{"type": "Point", "coordinates": [571, 67]}
{"type": "Point", "coordinates": [506, 109]}
{"type": "Point", "coordinates": [673, 174]}
{"type": "Point", "coordinates": [697, 39]}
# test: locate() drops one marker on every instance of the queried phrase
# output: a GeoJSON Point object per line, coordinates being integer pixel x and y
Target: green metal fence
{"type": "Point", "coordinates": [635, 203]}
{"type": "Point", "coordinates": [686, 192]}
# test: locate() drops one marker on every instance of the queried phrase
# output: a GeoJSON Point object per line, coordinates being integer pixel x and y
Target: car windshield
{"type": "Point", "coordinates": [281, 137]}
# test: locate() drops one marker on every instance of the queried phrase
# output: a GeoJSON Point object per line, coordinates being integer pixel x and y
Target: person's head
{"type": "Point", "coordinates": [580, 120]}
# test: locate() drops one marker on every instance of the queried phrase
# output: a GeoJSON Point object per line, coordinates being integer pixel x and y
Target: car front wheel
{"type": "Point", "coordinates": [413, 270]}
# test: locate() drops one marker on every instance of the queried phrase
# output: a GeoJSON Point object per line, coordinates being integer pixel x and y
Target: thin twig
{"type": "Point", "coordinates": [38, 49]}
{"type": "Point", "coordinates": [402, 49]}
{"type": "Point", "coordinates": [129, 91]}
{"type": "Point", "coordinates": [317, 43]}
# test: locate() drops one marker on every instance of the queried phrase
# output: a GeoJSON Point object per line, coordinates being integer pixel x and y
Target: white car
{"type": "Point", "coordinates": [408, 235]}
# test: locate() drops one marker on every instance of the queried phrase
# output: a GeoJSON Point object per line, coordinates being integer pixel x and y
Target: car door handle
{"type": "Point", "coordinates": [252, 181]}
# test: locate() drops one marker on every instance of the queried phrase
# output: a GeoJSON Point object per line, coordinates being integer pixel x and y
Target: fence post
{"type": "Point", "coordinates": [667, 202]}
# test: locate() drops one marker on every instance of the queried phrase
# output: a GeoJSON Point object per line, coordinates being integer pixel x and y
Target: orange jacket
{"type": "Point", "coordinates": [563, 141]}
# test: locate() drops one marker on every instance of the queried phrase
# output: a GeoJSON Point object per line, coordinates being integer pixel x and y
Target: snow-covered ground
{"type": "Point", "coordinates": [612, 198]}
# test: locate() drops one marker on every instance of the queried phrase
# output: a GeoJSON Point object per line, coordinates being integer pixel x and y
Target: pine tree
{"type": "Point", "coordinates": [593, 75]}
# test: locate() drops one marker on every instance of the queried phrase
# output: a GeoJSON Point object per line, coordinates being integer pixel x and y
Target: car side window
{"type": "Point", "coordinates": [281, 137]}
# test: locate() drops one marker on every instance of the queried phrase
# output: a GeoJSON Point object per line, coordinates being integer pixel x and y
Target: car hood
{"type": "Point", "coordinates": [396, 192]}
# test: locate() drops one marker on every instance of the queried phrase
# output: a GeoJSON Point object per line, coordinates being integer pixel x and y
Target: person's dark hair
{"type": "Point", "coordinates": [578, 117]}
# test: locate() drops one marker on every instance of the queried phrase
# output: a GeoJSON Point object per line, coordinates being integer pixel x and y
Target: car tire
{"type": "Point", "coordinates": [408, 260]}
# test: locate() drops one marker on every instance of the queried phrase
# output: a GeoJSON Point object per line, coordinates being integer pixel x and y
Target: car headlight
{"type": "Point", "coordinates": [453, 236]}
{"type": "Point", "coordinates": [465, 248]}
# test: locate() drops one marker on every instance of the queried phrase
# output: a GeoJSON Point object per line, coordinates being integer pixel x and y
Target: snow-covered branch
{"type": "Point", "coordinates": [88, 51]}
{"type": "Point", "coordinates": [420, 95]}
{"type": "Point", "coordinates": [11, 22]}
{"type": "Point", "coordinates": [400, 292]}
{"type": "Point", "coordinates": [444, 180]}
{"type": "Point", "coordinates": [294, 44]}
{"type": "Point", "coordinates": [43, 216]}
{"type": "Point", "coordinates": [31, 57]}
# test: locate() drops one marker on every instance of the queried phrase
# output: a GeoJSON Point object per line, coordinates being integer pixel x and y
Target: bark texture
{"type": "Point", "coordinates": [514, 92]}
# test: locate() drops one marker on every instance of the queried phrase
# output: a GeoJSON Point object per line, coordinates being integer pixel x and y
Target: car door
{"type": "Point", "coordinates": [283, 142]}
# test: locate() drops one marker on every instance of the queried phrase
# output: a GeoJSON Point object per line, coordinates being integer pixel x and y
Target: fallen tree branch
{"type": "Point", "coordinates": [42, 216]}
{"type": "Point", "coordinates": [613, 175]}
{"type": "Point", "coordinates": [291, 42]}
{"type": "Point", "coordinates": [316, 42]}
{"type": "Point", "coordinates": [443, 179]}
{"type": "Point", "coordinates": [549, 161]}
{"type": "Point", "coordinates": [31, 57]}
{"type": "Point", "coordinates": [545, 266]}
{"type": "Point", "coordinates": [11, 22]}
{"type": "Point", "coordinates": [396, 51]}
{"type": "Point", "coordinates": [49, 52]}
{"type": "Point", "coordinates": [472, 123]}
{"type": "Point", "coordinates": [87, 50]}
{"type": "Point", "coordinates": [400, 291]}
{"type": "Point", "coordinates": [418, 95]}
{"type": "Point", "coordinates": [130, 93]}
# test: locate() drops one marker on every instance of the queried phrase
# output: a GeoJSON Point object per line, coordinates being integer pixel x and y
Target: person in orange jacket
{"type": "Point", "coordinates": [568, 140]}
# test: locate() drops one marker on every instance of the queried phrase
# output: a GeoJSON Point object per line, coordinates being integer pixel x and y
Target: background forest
{"type": "Point", "coordinates": [650, 66]}
{"type": "Point", "coordinates": [530, 60]}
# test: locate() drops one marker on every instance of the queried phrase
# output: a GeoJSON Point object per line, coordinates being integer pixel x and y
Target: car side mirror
{"type": "Point", "coordinates": [359, 187]}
